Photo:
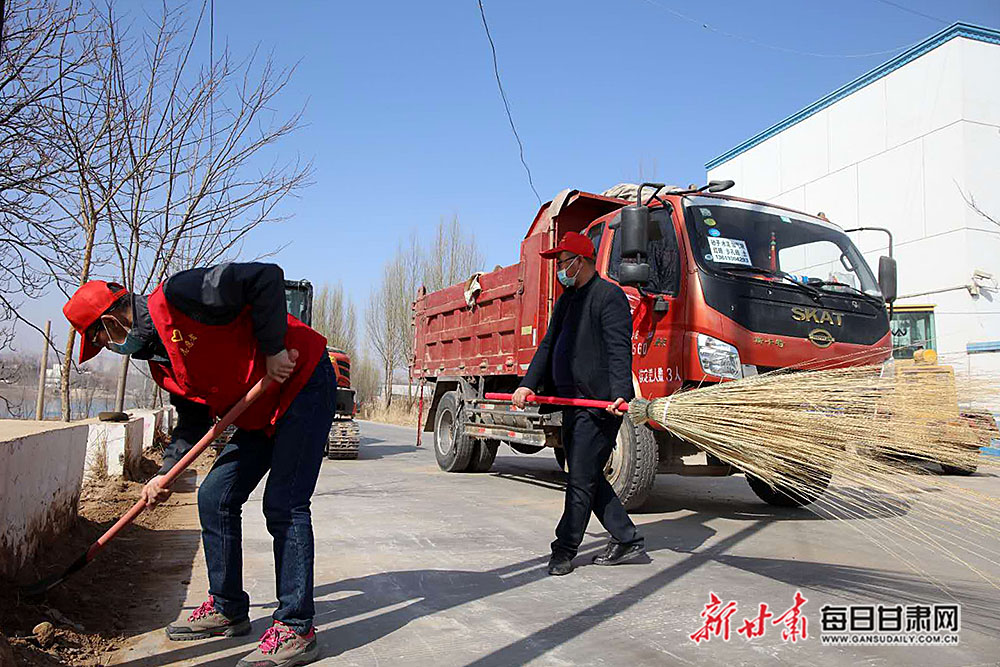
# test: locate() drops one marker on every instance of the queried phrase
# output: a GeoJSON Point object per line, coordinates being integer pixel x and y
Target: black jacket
{"type": "Point", "coordinates": [602, 359]}
{"type": "Point", "coordinates": [215, 296]}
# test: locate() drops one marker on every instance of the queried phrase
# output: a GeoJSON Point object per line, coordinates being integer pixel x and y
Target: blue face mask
{"type": "Point", "coordinates": [131, 345]}
{"type": "Point", "coordinates": [566, 280]}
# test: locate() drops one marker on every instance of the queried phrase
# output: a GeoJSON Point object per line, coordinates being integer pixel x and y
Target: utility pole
{"type": "Point", "coordinates": [40, 405]}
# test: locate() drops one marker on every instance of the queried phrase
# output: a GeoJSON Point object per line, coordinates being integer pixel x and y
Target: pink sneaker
{"type": "Point", "coordinates": [207, 621]}
{"type": "Point", "coordinates": [280, 646]}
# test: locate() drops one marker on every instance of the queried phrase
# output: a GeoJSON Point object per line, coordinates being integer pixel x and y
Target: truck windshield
{"type": "Point", "coordinates": [761, 241]}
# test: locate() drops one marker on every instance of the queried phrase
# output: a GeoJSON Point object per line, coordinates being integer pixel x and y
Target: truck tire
{"type": "Point", "coordinates": [782, 496]}
{"type": "Point", "coordinates": [957, 470]}
{"type": "Point", "coordinates": [483, 454]}
{"type": "Point", "coordinates": [561, 458]}
{"type": "Point", "coordinates": [452, 448]}
{"type": "Point", "coordinates": [632, 466]}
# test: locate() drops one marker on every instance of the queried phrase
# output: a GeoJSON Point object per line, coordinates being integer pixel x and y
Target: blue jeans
{"type": "Point", "coordinates": [293, 456]}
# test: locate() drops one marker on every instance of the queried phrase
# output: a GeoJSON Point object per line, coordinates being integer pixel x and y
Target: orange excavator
{"type": "Point", "coordinates": [345, 435]}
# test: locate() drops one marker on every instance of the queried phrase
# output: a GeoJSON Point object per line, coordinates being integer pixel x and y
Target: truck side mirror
{"type": "Point", "coordinates": [634, 230]}
{"type": "Point", "coordinates": [887, 278]}
{"type": "Point", "coordinates": [634, 274]}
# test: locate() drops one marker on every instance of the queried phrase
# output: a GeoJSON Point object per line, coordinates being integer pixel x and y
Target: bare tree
{"type": "Point", "coordinates": [334, 316]}
{"type": "Point", "coordinates": [15, 389]}
{"type": "Point", "coordinates": [43, 54]}
{"type": "Point", "coordinates": [381, 327]}
{"type": "Point", "coordinates": [167, 156]}
{"type": "Point", "coordinates": [365, 380]}
{"type": "Point", "coordinates": [402, 292]}
{"type": "Point", "coordinates": [452, 257]}
{"type": "Point", "coordinates": [387, 319]}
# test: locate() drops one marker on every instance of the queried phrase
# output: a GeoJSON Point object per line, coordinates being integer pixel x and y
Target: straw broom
{"type": "Point", "coordinates": [789, 428]}
{"type": "Point", "coordinates": [794, 431]}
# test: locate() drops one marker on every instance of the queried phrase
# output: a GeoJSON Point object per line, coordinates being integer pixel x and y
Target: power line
{"type": "Point", "coordinates": [773, 47]}
{"type": "Point", "coordinates": [913, 11]}
{"type": "Point", "coordinates": [506, 105]}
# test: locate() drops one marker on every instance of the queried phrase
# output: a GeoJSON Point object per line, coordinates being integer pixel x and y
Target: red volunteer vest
{"type": "Point", "coordinates": [216, 365]}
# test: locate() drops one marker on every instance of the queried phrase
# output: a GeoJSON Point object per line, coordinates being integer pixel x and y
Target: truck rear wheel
{"type": "Point", "coordinates": [784, 496]}
{"type": "Point", "coordinates": [483, 454]}
{"type": "Point", "coordinates": [632, 466]}
{"type": "Point", "coordinates": [452, 448]}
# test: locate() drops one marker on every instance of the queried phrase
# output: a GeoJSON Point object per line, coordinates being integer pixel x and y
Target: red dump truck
{"type": "Point", "coordinates": [720, 287]}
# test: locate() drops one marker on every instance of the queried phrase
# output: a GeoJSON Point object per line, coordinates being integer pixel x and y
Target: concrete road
{"type": "Point", "coordinates": [419, 567]}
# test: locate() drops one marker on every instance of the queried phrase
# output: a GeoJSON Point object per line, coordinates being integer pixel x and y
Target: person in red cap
{"type": "Point", "coordinates": [586, 353]}
{"type": "Point", "coordinates": [209, 335]}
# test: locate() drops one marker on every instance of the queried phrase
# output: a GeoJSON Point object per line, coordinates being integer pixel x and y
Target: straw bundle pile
{"type": "Point", "coordinates": [866, 431]}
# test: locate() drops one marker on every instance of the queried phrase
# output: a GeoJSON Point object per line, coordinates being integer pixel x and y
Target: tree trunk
{"type": "Point", "coordinates": [122, 381]}
{"type": "Point", "coordinates": [67, 366]}
{"type": "Point", "coordinates": [40, 404]}
{"type": "Point", "coordinates": [388, 384]}
{"type": "Point", "coordinates": [67, 363]}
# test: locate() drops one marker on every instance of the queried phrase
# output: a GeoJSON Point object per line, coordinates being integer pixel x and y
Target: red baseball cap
{"type": "Point", "coordinates": [84, 308]}
{"type": "Point", "coordinates": [578, 244]}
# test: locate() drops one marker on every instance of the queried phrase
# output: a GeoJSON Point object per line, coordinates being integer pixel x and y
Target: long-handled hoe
{"type": "Point", "coordinates": [46, 584]}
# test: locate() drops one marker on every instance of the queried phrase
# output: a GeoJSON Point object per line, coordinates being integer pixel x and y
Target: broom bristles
{"type": "Point", "coordinates": [816, 416]}
{"type": "Point", "coordinates": [864, 428]}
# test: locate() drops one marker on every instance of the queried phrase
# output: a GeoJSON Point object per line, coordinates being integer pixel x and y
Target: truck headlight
{"type": "Point", "coordinates": [719, 358]}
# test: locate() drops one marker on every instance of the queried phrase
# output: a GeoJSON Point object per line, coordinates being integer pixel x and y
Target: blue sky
{"type": "Point", "coordinates": [405, 124]}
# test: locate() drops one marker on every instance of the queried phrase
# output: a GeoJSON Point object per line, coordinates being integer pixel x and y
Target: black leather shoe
{"type": "Point", "coordinates": [616, 553]}
{"type": "Point", "coordinates": [558, 566]}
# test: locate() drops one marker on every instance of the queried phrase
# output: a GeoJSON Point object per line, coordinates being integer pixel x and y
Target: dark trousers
{"type": "Point", "coordinates": [292, 455]}
{"type": "Point", "coordinates": [588, 437]}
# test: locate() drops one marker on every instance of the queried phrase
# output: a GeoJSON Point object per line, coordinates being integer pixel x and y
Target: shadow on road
{"type": "Point", "coordinates": [385, 602]}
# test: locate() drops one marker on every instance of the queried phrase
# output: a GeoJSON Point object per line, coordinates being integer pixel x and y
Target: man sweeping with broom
{"type": "Point", "coordinates": [209, 335]}
{"type": "Point", "coordinates": [586, 353]}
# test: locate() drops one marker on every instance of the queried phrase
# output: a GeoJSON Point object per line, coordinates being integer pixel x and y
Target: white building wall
{"type": "Point", "coordinates": [899, 153]}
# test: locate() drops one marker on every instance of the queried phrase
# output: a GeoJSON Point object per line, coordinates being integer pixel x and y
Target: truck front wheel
{"type": "Point", "coordinates": [632, 466]}
{"type": "Point", "coordinates": [784, 496]}
{"type": "Point", "coordinates": [452, 448]}
{"type": "Point", "coordinates": [561, 458]}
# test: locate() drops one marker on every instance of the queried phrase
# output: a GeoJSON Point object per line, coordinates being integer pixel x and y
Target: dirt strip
{"type": "Point", "coordinates": [135, 585]}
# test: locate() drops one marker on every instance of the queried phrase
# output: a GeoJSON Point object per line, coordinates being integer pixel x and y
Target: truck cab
{"type": "Point", "coordinates": [720, 288]}
{"type": "Point", "coordinates": [735, 287]}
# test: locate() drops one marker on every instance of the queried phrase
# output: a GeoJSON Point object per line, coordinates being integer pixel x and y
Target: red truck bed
{"type": "Point", "coordinates": [499, 333]}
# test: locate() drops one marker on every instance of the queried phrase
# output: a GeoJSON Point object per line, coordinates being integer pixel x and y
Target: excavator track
{"type": "Point", "coordinates": [344, 440]}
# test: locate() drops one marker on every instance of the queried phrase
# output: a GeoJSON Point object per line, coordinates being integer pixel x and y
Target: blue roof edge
{"type": "Point", "coordinates": [959, 29]}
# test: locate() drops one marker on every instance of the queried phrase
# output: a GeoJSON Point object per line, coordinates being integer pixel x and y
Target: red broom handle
{"type": "Point", "coordinates": [234, 412]}
{"type": "Point", "coordinates": [553, 400]}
